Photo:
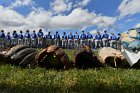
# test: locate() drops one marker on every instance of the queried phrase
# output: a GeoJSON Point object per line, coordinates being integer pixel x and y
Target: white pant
{"type": "Point", "coordinates": [90, 43]}
{"type": "Point", "coordinates": [119, 45]}
{"type": "Point", "coordinates": [113, 43]}
{"type": "Point", "coordinates": [83, 42]}
{"type": "Point", "coordinates": [56, 41]}
{"type": "Point", "coordinates": [8, 42]}
{"type": "Point", "coordinates": [40, 41]}
{"type": "Point", "coordinates": [70, 42]}
{"type": "Point", "coordinates": [97, 43]}
{"type": "Point", "coordinates": [27, 41]}
{"type": "Point", "coordinates": [48, 42]}
{"type": "Point", "coordinates": [33, 42]}
{"type": "Point", "coordinates": [2, 40]}
{"type": "Point", "coordinates": [64, 43]}
{"type": "Point", "coordinates": [105, 42]}
{"type": "Point", "coordinates": [76, 42]}
{"type": "Point", "coordinates": [20, 41]}
{"type": "Point", "coordinates": [14, 41]}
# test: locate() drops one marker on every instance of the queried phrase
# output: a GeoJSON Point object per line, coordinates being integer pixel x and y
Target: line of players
{"type": "Point", "coordinates": [66, 41]}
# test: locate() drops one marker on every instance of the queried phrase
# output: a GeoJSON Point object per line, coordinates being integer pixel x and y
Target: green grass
{"type": "Point", "coordinates": [39, 80]}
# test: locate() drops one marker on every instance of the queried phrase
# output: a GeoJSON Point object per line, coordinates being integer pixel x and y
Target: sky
{"type": "Point", "coordinates": [67, 16]}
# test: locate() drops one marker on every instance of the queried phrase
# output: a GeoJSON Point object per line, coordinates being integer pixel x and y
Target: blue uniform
{"type": "Point", "coordinates": [8, 40]}
{"type": "Point", "coordinates": [98, 37]}
{"type": "Point", "coordinates": [49, 36]}
{"type": "Point", "coordinates": [40, 38]}
{"type": "Point", "coordinates": [14, 39]}
{"type": "Point", "coordinates": [56, 36]}
{"type": "Point", "coordinates": [76, 40]}
{"type": "Point", "coordinates": [40, 34]}
{"type": "Point", "coordinates": [76, 36]}
{"type": "Point", "coordinates": [118, 38]}
{"type": "Point", "coordinates": [113, 37]}
{"type": "Point", "coordinates": [2, 38]}
{"type": "Point", "coordinates": [70, 37]}
{"type": "Point", "coordinates": [119, 43]}
{"type": "Point", "coordinates": [89, 40]}
{"type": "Point", "coordinates": [33, 36]}
{"type": "Point", "coordinates": [27, 38]}
{"type": "Point", "coordinates": [64, 37]}
{"type": "Point", "coordinates": [64, 41]}
{"type": "Point", "coordinates": [82, 39]}
{"type": "Point", "coordinates": [20, 39]}
{"type": "Point", "coordinates": [2, 35]}
{"type": "Point", "coordinates": [70, 40]}
{"type": "Point", "coordinates": [15, 35]}
{"type": "Point", "coordinates": [48, 39]}
{"type": "Point", "coordinates": [89, 36]}
{"type": "Point", "coordinates": [8, 37]}
{"type": "Point", "coordinates": [105, 35]}
{"type": "Point", "coordinates": [98, 40]}
{"type": "Point", "coordinates": [56, 39]}
{"type": "Point", "coordinates": [105, 39]}
{"type": "Point", "coordinates": [20, 36]}
{"type": "Point", "coordinates": [113, 42]}
{"type": "Point", "coordinates": [83, 36]}
{"type": "Point", "coordinates": [27, 35]}
{"type": "Point", "coordinates": [33, 39]}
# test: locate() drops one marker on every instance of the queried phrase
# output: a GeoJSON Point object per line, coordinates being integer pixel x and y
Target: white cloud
{"type": "Point", "coordinates": [19, 3]}
{"type": "Point", "coordinates": [59, 6]}
{"type": "Point", "coordinates": [103, 22]}
{"type": "Point", "coordinates": [80, 18]}
{"type": "Point", "coordinates": [93, 32]}
{"type": "Point", "coordinates": [129, 7]}
{"type": "Point", "coordinates": [137, 25]}
{"type": "Point", "coordinates": [11, 20]}
{"type": "Point", "coordinates": [84, 2]}
{"type": "Point", "coordinates": [130, 20]}
{"type": "Point", "coordinates": [40, 18]}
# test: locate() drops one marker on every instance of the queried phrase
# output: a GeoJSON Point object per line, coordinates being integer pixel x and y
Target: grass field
{"type": "Point", "coordinates": [39, 80]}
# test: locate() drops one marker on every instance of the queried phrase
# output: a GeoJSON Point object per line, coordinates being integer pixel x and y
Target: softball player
{"type": "Point", "coordinates": [40, 38]}
{"type": "Point", "coordinates": [20, 38]}
{"type": "Point", "coordinates": [57, 39]}
{"type": "Point", "coordinates": [14, 38]}
{"type": "Point", "coordinates": [48, 39]}
{"type": "Point", "coordinates": [27, 38]}
{"type": "Point", "coordinates": [33, 39]}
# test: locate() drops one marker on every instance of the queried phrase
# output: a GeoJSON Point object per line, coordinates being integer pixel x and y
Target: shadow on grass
{"type": "Point", "coordinates": [6, 88]}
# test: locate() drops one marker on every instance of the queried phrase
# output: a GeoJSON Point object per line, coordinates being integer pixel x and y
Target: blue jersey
{"type": "Point", "coordinates": [98, 37]}
{"type": "Point", "coordinates": [27, 35]}
{"type": "Point", "coordinates": [76, 36]}
{"type": "Point", "coordinates": [2, 35]}
{"type": "Point", "coordinates": [15, 35]}
{"type": "Point", "coordinates": [20, 36]}
{"type": "Point", "coordinates": [105, 35]}
{"type": "Point", "coordinates": [70, 36]}
{"type": "Point", "coordinates": [64, 36]}
{"type": "Point", "coordinates": [83, 36]}
{"type": "Point", "coordinates": [56, 36]}
{"type": "Point", "coordinates": [8, 37]}
{"type": "Point", "coordinates": [33, 35]}
{"type": "Point", "coordinates": [113, 37]}
{"type": "Point", "coordinates": [89, 36]}
{"type": "Point", "coordinates": [48, 36]}
{"type": "Point", "coordinates": [40, 34]}
{"type": "Point", "coordinates": [118, 38]}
